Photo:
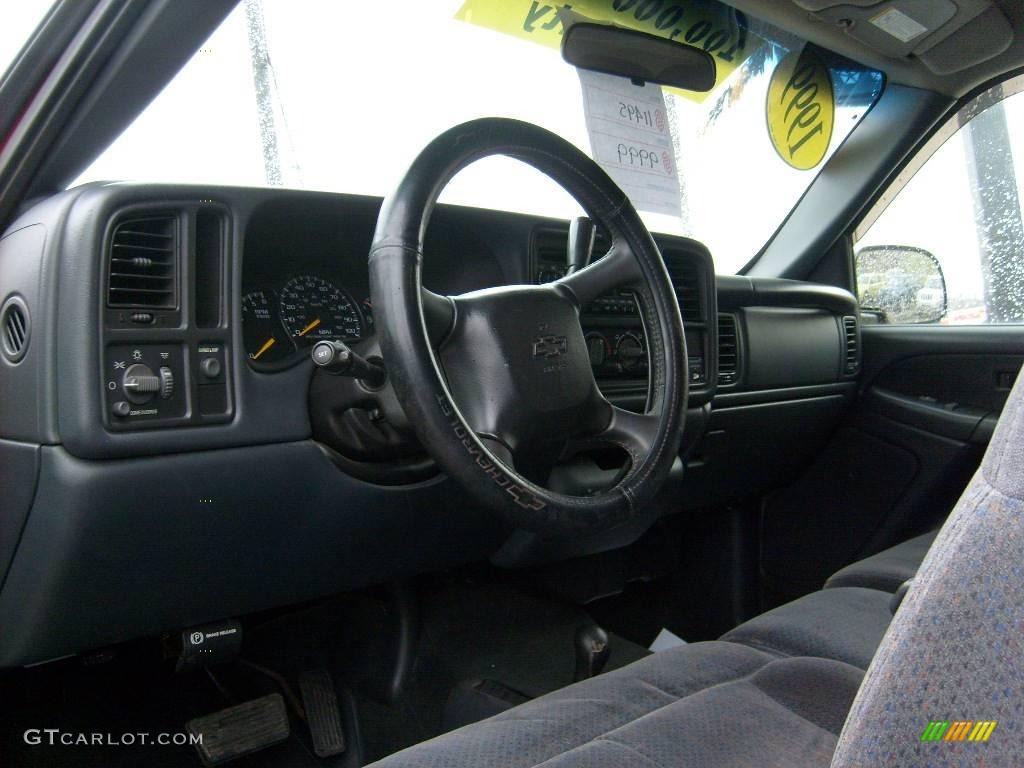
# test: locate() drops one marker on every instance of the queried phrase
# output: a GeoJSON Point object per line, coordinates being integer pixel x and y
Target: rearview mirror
{"type": "Point", "coordinates": [902, 283]}
{"type": "Point", "coordinates": [641, 57]}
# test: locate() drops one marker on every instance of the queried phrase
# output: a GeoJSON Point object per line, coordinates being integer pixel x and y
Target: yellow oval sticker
{"type": "Point", "coordinates": [801, 109]}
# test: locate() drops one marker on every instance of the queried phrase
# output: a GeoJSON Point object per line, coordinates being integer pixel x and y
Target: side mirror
{"type": "Point", "coordinates": [641, 57]}
{"type": "Point", "coordinates": [901, 283]}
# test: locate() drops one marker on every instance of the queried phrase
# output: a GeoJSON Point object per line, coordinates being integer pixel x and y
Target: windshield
{"type": "Point", "coordinates": [19, 21]}
{"type": "Point", "coordinates": [310, 94]}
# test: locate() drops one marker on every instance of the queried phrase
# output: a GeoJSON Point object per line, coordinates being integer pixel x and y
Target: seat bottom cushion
{"type": "Point", "coordinates": [846, 624]}
{"type": "Point", "coordinates": [707, 704]}
{"type": "Point", "coordinates": [886, 570]}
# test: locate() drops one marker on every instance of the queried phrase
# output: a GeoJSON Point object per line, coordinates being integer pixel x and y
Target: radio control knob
{"type": "Point", "coordinates": [630, 352]}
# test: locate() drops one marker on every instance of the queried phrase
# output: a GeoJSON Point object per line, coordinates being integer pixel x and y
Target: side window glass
{"type": "Point", "coordinates": [949, 246]}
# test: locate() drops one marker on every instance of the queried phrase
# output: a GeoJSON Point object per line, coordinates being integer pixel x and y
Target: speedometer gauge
{"type": "Point", "coordinates": [313, 309]}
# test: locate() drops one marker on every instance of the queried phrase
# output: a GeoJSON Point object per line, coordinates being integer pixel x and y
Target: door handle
{"type": "Point", "coordinates": [952, 420]}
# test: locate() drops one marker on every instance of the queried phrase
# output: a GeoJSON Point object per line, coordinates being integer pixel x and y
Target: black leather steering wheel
{"type": "Point", "coordinates": [500, 378]}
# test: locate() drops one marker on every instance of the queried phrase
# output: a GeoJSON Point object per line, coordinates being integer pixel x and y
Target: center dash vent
{"type": "Point", "coordinates": [728, 351]}
{"type": "Point", "coordinates": [548, 255]}
{"type": "Point", "coordinates": [851, 361]}
{"type": "Point", "coordinates": [549, 252]}
{"type": "Point", "coordinates": [143, 263]}
{"type": "Point", "coordinates": [685, 276]}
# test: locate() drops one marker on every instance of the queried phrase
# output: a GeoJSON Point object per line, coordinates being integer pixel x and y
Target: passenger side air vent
{"type": "Point", "coordinates": [728, 351]}
{"type": "Point", "coordinates": [143, 263]}
{"type": "Point", "coordinates": [15, 323]}
{"type": "Point", "coordinates": [686, 280]}
{"type": "Point", "coordinates": [851, 361]}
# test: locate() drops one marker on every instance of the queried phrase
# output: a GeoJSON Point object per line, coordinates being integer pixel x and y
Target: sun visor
{"type": "Point", "coordinates": [946, 35]}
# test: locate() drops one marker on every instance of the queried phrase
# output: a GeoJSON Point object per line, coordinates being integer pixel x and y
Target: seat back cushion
{"type": "Point", "coordinates": [887, 569]}
{"type": "Point", "coordinates": [845, 624]}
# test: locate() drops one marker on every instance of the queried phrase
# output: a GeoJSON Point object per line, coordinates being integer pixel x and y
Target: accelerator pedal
{"type": "Point", "coordinates": [241, 729]}
{"type": "Point", "coordinates": [323, 715]}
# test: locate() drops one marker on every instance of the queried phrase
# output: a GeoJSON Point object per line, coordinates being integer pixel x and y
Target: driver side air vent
{"type": "Point", "coordinates": [15, 323]}
{"type": "Point", "coordinates": [851, 361]}
{"type": "Point", "coordinates": [143, 263]}
{"type": "Point", "coordinates": [728, 351]}
{"type": "Point", "coordinates": [685, 276]}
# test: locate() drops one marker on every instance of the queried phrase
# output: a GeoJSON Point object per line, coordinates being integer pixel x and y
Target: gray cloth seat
{"type": "Point", "coordinates": [714, 703]}
{"type": "Point", "coordinates": [886, 570]}
{"type": "Point", "coordinates": [953, 650]}
{"type": "Point", "coordinates": [845, 624]}
{"type": "Point", "coordinates": [793, 668]}
{"type": "Point", "coordinates": [848, 618]}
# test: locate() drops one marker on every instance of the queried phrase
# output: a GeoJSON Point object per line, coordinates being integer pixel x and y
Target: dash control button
{"type": "Point", "coordinates": [121, 408]}
{"type": "Point", "coordinates": [323, 354]}
{"type": "Point", "coordinates": [210, 367]}
{"type": "Point", "coordinates": [166, 383]}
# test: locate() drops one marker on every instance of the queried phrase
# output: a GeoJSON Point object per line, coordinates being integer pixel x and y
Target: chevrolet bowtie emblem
{"type": "Point", "coordinates": [550, 346]}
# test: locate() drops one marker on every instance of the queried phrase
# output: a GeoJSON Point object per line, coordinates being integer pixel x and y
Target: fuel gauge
{"type": "Point", "coordinates": [264, 336]}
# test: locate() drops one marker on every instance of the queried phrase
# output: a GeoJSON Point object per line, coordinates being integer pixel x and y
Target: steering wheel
{"type": "Point", "coordinates": [498, 382]}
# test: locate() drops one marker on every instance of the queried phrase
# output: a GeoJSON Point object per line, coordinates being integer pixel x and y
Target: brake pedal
{"type": "Point", "coordinates": [241, 729]}
{"type": "Point", "coordinates": [320, 701]}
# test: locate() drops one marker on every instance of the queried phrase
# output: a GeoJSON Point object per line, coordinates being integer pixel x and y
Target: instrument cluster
{"type": "Point", "coordinates": [280, 323]}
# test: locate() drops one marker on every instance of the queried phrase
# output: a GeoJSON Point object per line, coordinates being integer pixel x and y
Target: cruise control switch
{"type": "Point", "coordinates": [336, 358]}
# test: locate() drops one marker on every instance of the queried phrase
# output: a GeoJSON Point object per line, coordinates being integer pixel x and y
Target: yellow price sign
{"type": "Point", "coordinates": [801, 109]}
{"type": "Point", "coordinates": [706, 24]}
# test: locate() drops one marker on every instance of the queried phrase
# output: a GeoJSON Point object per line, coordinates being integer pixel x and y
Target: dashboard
{"type": "Point", "coordinates": [164, 432]}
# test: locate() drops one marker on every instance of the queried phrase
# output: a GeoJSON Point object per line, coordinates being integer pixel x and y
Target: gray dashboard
{"type": "Point", "coordinates": [216, 500]}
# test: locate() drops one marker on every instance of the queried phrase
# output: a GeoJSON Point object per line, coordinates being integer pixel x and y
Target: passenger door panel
{"type": "Point", "coordinates": [930, 397]}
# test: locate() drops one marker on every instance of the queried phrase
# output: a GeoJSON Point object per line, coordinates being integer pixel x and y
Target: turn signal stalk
{"type": "Point", "coordinates": [336, 358]}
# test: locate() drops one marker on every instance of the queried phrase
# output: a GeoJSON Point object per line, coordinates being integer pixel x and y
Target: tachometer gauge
{"type": "Point", "coordinates": [313, 309]}
{"type": "Point", "coordinates": [265, 340]}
